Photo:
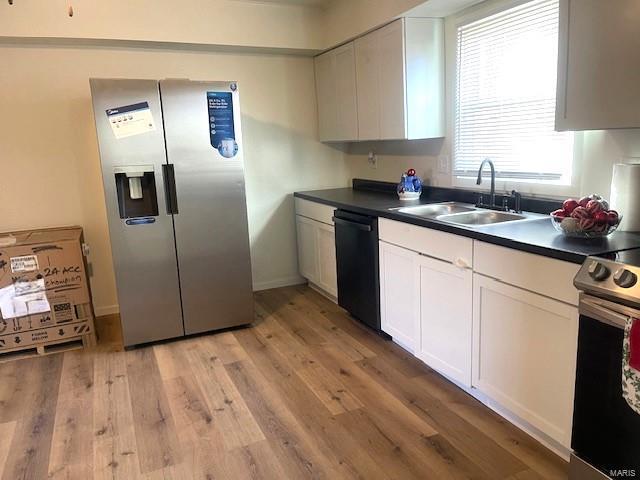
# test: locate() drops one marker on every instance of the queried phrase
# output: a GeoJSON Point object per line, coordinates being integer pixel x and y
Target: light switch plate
{"type": "Point", "coordinates": [443, 164]}
{"type": "Point", "coordinates": [373, 160]}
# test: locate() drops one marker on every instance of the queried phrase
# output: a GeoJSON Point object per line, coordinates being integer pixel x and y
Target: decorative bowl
{"type": "Point", "coordinates": [573, 227]}
{"type": "Point", "coordinates": [409, 195]}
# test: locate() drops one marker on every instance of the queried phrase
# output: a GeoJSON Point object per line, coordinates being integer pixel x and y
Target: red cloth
{"type": "Point", "coordinates": [634, 345]}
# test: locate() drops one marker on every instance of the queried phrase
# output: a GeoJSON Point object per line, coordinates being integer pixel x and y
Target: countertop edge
{"type": "Point", "coordinates": [576, 258]}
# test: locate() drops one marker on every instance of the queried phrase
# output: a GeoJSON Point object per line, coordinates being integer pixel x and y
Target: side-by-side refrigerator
{"type": "Point", "coordinates": [171, 154]}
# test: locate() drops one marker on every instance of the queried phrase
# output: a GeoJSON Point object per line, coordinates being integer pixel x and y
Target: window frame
{"type": "Point", "coordinates": [529, 187]}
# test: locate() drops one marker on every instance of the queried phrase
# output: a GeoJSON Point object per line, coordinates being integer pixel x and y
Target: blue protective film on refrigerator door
{"type": "Point", "coordinates": [221, 129]}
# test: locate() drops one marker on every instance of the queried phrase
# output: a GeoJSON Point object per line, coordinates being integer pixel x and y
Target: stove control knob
{"type": "Point", "coordinates": [598, 271]}
{"type": "Point", "coordinates": [624, 278]}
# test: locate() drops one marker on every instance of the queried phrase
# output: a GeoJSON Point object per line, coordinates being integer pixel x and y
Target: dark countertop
{"type": "Point", "coordinates": [534, 236]}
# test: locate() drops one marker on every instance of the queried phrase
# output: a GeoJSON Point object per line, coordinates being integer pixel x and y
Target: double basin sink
{"type": "Point", "coordinates": [464, 214]}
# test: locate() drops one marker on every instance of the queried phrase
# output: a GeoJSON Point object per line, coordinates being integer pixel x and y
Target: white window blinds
{"type": "Point", "coordinates": [506, 95]}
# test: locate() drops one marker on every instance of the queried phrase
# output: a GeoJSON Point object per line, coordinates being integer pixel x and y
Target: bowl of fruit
{"type": "Point", "coordinates": [589, 217]}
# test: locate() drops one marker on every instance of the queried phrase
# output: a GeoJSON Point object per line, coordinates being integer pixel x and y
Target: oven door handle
{"type": "Point", "coordinates": [593, 309]}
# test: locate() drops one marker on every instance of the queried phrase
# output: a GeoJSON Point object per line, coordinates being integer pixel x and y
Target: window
{"type": "Point", "coordinates": [506, 96]}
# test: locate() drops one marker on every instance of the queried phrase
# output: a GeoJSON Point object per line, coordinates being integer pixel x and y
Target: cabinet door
{"type": "Point", "coordinates": [327, 277]}
{"type": "Point", "coordinates": [400, 294]}
{"type": "Point", "coordinates": [524, 354]}
{"type": "Point", "coordinates": [598, 65]}
{"type": "Point", "coordinates": [326, 96]}
{"type": "Point", "coordinates": [345, 85]}
{"type": "Point", "coordinates": [367, 87]}
{"type": "Point", "coordinates": [391, 85]}
{"type": "Point", "coordinates": [446, 318]}
{"type": "Point", "coordinates": [307, 248]}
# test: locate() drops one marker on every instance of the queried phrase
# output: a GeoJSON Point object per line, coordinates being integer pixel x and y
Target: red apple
{"type": "Point", "coordinates": [583, 201]}
{"type": "Point", "coordinates": [594, 206]}
{"type": "Point", "coordinates": [569, 205]}
{"type": "Point", "coordinates": [411, 172]}
{"type": "Point", "coordinates": [580, 212]}
{"type": "Point", "coordinates": [612, 217]}
{"type": "Point", "coordinates": [601, 217]}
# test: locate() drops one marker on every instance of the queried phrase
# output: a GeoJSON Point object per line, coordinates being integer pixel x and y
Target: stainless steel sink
{"type": "Point", "coordinates": [437, 209]}
{"type": "Point", "coordinates": [464, 214]}
{"type": "Point", "coordinates": [481, 217]}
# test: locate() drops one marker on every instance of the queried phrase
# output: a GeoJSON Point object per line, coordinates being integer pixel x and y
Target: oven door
{"type": "Point", "coordinates": [606, 431]}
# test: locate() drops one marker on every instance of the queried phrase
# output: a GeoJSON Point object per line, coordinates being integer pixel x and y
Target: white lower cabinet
{"type": "Point", "coordinates": [400, 295]}
{"type": "Point", "coordinates": [524, 354]}
{"type": "Point", "coordinates": [470, 311]}
{"type": "Point", "coordinates": [317, 253]}
{"type": "Point", "coordinates": [446, 318]}
{"type": "Point", "coordinates": [307, 247]}
{"type": "Point", "coordinates": [426, 307]}
{"type": "Point", "coordinates": [327, 275]}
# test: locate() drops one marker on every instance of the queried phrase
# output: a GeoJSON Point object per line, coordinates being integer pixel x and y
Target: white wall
{"type": "Point", "coordinates": [603, 149]}
{"type": "Point", "coordinates": [346, 19]}
{"type": "Point", "coordinates": [49, 154]}
{"type": "Point", "coordinates": [211, 22]}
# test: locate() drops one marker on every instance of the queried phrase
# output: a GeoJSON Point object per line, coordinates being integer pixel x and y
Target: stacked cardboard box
{"type": "Point", "coordinates": [49, 262]}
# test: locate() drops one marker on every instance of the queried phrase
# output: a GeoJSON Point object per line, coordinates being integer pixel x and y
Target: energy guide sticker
{"type": "Point", "coordinates": [131, 120]}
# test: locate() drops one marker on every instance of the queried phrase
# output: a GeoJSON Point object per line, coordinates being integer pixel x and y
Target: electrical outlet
{"type": "Point", "coordinates": [443, 163]}
{"type": "Point", "coordinates": [373, 160]}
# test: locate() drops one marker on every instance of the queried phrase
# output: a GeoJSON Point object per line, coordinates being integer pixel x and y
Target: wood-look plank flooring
{"type": "Point", "coordinates": [306, 392]}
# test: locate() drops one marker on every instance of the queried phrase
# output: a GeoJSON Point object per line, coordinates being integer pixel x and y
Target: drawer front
{"type": "Point", "coordinates": [445, 246]}
{"type": "Point", "coordinates": [316, 211]}
{"type": "Point", "coordinates": [546, 276]}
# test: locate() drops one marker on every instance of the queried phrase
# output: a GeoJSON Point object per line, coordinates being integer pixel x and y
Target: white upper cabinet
{"type": "Point", "coordinates": [336, 94]}
{"type": "Point", "coordinates": [367, 80]}
{"type": "Point", "coordinates": [389, 56]}
{"type": "Point", "coordinates": [385, 85]}
{"type": "Point", "coordinates": [400, 80]}
{"type": "Point", "coordinates": [598, 65]}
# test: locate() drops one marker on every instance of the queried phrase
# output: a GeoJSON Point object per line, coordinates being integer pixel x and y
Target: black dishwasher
{"type": "Point", "coordinates": [357, 266]}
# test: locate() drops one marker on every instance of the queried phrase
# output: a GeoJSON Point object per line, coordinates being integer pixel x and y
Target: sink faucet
{"type": "Point", "coordinates": [492, 202]}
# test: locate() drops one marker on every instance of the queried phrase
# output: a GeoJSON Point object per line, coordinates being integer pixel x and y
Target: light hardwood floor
{"type": "Point", "coordinates": [304, 393]}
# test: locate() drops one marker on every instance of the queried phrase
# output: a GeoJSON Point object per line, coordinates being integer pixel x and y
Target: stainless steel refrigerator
{"type": "Point", "coordinates": [171, 154]}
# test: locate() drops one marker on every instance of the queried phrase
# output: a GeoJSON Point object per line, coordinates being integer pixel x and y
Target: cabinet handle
{"type": "Point", "coordinates": [461, 263]}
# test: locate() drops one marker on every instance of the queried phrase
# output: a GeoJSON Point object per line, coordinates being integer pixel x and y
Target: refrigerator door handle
{"type": "Point", "coordinates": [170, 193]}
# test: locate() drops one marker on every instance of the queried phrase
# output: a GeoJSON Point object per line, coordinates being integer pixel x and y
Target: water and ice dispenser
{"type": "Point", "coordinates": [136, 189]}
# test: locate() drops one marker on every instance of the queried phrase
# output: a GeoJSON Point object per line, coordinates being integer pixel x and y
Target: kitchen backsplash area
{"type": "Point", "coordinates": [596, 153]}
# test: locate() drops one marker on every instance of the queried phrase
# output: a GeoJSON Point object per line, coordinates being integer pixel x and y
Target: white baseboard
{"type": "Point", "coordinates": [505, 413]}
{"type": "Point", "coordinates": [106, 310]}
{"type": "Point", "coordinates": [325, 294]}
{"type": "Point", "coordinates": [513, 418]}
{"type": "Point", "coordinates": [279, 282]}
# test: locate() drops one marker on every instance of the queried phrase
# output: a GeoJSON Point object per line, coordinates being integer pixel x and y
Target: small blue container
{"type": "Point", "coordinates": [410, 186]}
